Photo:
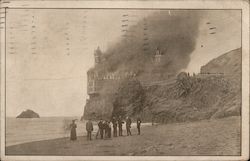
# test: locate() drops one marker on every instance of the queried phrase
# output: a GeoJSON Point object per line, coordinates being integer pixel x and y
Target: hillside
{"type": "Point", "coordinates": [199, 97]}
{"type": "Point", "coordinates": [228, 63]}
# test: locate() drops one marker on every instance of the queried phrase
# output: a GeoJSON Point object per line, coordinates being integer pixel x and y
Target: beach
{"type": "Point", "coordinates": [206, 137]}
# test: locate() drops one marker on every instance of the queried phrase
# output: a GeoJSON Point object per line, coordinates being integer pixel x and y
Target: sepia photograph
{"type": "Point", "coordinates": [106, 80]}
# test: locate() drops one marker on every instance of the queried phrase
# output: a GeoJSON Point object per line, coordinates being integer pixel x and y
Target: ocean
{"type": "Point", "coordinates": [19, 130]}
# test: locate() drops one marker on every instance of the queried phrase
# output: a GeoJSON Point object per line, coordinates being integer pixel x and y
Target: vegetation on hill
{"type": "Point", "coordinates": [203, 98]}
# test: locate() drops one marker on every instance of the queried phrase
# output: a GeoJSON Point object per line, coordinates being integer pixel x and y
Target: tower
{"type": "Point", "coordinates": [98, 56]}
{"type": "Point", "coordinates": [158, 55]}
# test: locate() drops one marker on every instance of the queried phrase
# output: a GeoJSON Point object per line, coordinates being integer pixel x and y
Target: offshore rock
{"type": "Point", "coordinates": [28, 114]}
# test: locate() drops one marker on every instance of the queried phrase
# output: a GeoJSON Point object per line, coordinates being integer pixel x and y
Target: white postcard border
{"type": "Point", "coordinates": [168, 4]}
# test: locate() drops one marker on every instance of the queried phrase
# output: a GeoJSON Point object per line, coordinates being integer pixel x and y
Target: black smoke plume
{"type": "Point", "coordinates": [173, 33]}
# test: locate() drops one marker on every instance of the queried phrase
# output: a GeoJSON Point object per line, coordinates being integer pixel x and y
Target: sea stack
{"type": "Point", "coordinates": [28, 114]}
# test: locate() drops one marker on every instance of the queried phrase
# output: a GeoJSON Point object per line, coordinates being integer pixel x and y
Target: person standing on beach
{"type": "Point", "coordinates": [73, 127]}
{"type": "Point", "coordinates": [138, 122]}
{"type": "Point", "coordinates": [105, 127]}
{"type": "Point", "coordinates": [153, 121]}
{"type": "Point", "coordinates": [100, 129]}
{"type": "Point", "coordinates": [89, 128]}
{"type": "Point", "coordinates": [120, 122]}
{"type": "Point", "coordinates": [114, 122]}
{"type": "Point", "coordinates": [109, 129]}
{"type": "Point", "coordinates": [128, 125]}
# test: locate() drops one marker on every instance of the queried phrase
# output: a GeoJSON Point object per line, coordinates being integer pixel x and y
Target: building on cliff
{"type": "Point", "coordinates": [107, 82]}
{"type": "Point", "coordinates": [158, 56]}
{"type": "Point", "coordinates": [104, 82]}
{"type": "Point", "coordinates": [101, 88]}
{"type": "Point", "coordinates": [96, 82]}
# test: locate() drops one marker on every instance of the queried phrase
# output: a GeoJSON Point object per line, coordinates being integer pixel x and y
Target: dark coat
{"type": "Point", "coordinates": [128, 122]}
{"type": "Point", "coordinates": [120, 122]}
{"type": "Point", "coordinates": [114, 122]}
{"type": "Point", "coordinates": [100, 125]}
{"type": "Point", "coordinates": [105, 126]}
{"type": "Point", "coordinates": [73, 131]}
{"type": "Point", "coordinates": [89, 126]}
{"type": "Point", "coordinates": [138, 122]}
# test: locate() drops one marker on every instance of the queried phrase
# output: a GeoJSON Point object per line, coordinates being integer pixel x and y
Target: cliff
{"type": "Point", "coordinates": [28, 114]}
{"type": "Point", "coordinates": [203, 96]}
{"type": "Point", "coordinates": [214, 93]}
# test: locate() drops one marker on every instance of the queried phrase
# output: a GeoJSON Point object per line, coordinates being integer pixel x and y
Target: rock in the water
{"type": "Point", "coordinates": [28, 114]}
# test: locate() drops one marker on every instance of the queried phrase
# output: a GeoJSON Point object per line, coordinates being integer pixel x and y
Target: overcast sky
{"type": "Point", "coordinates": [49, 52]}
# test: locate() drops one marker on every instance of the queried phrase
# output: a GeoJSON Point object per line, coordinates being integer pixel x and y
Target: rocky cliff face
{"type": "Point", "coordinates": [99, 107]}
{"type": "Point", "coordinates": [189, 98]}
{"type": "Point", "coordinates": [127, 100]}
{"type": "Point", "coordinates": [28, 114]}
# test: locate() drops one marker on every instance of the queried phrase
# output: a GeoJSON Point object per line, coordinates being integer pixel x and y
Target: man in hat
{"type": "Point", "coordinates": [106, 128]}
{"type": "Point", "coordinates": [114, 122]}
{"type": "Point", "coordinates": [120, 122]}
{"type": "Point", "coordinates": [138, 122]}
{"type": "Point", "coordinates": [128, 125]}
{"type": "Point", "coordinates": [109, 129]}
{"type": "Point", "coordinates": [89, 128]}
{"type": "Point", "coordinates": [100, 129]}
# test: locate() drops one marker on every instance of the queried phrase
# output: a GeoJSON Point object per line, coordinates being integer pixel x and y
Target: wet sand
{"type": "Point", "coordinates": [207, 137]}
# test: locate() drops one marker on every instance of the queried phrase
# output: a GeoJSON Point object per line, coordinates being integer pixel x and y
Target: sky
{"type": "Point", "coordinates": [50, 51]}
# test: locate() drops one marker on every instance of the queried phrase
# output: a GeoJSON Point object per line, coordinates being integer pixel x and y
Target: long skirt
{"type": "Point", "coordinates": [73, 134]}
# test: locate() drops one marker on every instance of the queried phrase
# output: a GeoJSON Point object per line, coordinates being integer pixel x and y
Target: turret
{"type": "Point", "coordinates": [158, 55]}
{"type": "Point", "coordinates": [98, 56]}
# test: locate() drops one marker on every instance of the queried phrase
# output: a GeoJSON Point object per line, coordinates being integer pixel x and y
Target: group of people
{"type": "Point", "coordinates": [104, 128]}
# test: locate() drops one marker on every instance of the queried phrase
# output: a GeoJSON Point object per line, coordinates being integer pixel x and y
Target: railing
{"type": "Point", "coordinates": [163, 82]}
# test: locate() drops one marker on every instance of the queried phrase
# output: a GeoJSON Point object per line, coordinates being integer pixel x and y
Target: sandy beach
{"type": "Point", "coordinates": [207, 137]}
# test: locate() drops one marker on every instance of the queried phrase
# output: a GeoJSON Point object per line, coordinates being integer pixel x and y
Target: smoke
{"type": "Point", "coordinates": [173, 32]}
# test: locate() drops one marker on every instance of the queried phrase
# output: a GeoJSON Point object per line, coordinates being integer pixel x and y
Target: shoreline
{"type": "Point", "coordinates": [206, 137]}
{"type": "Point", "coordinates": [13, 139]}
{"type": "Point", "coordinates": [67, 135]}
